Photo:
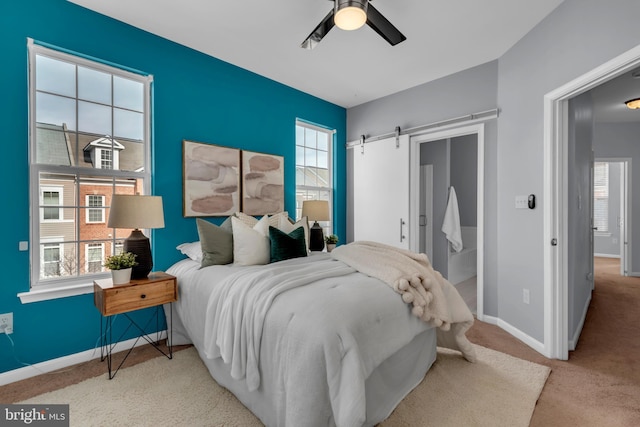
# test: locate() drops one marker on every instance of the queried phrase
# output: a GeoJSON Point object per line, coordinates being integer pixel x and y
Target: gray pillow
{"type": "Point", "coordinates": [216, 242]}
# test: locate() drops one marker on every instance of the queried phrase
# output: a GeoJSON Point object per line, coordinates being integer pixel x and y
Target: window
{"type": "Point", "coordinates": [51, 259]}
{"type": "Point", "coordinates": [601, 196]}
{"type": "Point", "coordinates": [51, 196]}
{"type": "Point", "coordinates": [90, 127]}
{"type": "Point", "coordinates": [313, 167]}
{"type": "Point", "coordinates": [94, 257]}
{"type": "Point", "coordinates": [95, 210]}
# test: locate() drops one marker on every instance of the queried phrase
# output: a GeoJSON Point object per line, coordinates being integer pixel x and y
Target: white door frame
{"type": "Point", "coordinates": [555, 203]}
{"type": "Point", "coordinates": [414, 194]}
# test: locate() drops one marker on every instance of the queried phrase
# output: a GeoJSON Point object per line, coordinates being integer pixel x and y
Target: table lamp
{"type": "Point", "coordinates": [316, 210]}
{"type": "Point", "coordinates": [136, 212]}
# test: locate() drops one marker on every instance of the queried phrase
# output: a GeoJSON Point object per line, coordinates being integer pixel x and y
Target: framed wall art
{"type": "Point", "coordinates": [211, 179]}
{"type": "Point", "coordinates": [262, 183]}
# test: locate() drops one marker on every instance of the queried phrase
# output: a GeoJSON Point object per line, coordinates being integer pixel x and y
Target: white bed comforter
{"type": "Point", "coordinates": [325, 335]}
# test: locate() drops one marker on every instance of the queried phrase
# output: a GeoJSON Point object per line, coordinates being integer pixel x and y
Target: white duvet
{"type": "Point", "coordinates": [319, 326]}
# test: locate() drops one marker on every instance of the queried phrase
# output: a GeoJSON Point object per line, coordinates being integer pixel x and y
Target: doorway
{"type": "Point", "coordinates": [432, 175]}
{"type": "Point", "coordinates": [556, 198]}
{"type": "Point", "coordinates": [611, 203]}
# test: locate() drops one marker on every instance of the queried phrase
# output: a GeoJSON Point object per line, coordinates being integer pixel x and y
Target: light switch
{"type": "Point", "coordinates": [522, 202]}
{"type": "Point", "coordinates": [23, 246]}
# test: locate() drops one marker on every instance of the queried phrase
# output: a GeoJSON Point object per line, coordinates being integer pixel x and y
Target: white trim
{"type": "Point", "coordinates": [66, 361]}
{"type": "Point", "coordinates": [528, 340]}
{"type": "Point", "coordinates": [42, 293]}
{"type": "Point", "coordinates": [94, 208]}
{"type": "Point", "coordinates": [452, 131]}
{"type": "Point", "coordinates": [573, 342]}
{"type": "Point", "coordinates": [555, 197]}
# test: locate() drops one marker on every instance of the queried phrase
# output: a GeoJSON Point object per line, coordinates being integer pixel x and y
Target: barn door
{"type": "Point", "coordinates": [381, 191]}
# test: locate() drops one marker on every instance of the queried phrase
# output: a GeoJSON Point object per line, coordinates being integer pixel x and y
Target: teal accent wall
{"type": "Point", "coordinates": [196, 97]}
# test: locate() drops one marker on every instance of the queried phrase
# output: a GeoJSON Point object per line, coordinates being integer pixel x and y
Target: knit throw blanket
{"type": "Point", "coordinates": [433, 298]}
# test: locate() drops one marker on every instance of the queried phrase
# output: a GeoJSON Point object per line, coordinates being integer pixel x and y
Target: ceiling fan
{"type": "Point", "coordinates": [351, 15]}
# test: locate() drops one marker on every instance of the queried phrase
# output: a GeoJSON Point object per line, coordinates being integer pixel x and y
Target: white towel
{"type": "Point", "coordinates": [451, 223]}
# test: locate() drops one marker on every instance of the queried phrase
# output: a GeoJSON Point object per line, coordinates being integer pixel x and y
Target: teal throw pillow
{"type": "Point", "coordinates": [287, 246]}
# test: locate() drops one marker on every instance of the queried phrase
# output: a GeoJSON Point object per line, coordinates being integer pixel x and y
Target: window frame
{"type": "Point", "coordinates": [78, 284]}
{"type": "Point", "coordinates": [330, 164]}
{"type": "Point", "coordinates": [89, 208]}
{"type": "Point", "coordinates": [601, 231]}
{"type": "Point", "coordinates": [52, 189]}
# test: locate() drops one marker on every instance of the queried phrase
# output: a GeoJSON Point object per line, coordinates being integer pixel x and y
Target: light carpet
{"type": "Point", "coordinates": [498, 390]}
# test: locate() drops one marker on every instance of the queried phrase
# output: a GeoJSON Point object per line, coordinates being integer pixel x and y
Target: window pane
{"type": "Point", "coordinates": [55, 110]}
{"type": "Point", "coordinates": [58, 260]}
{"type": "Point", "coordinates": [128, 94]}
{"type": "Point", "coordinates": [128, 124]}
{"type": "Point", "coordinates": [310, 157]}
{"type": "Point", "coordinates": [299, 155]}
{"type": "Point", "coordinates": [323, 141]}
{"type": "Point", "coordinates": [323, 159]}
{"type": "Point", "coordinates": [310, 138]}
{"type": "Point", "coordinates": [94, 118]}
{"type": "Point", "coordinates": [94, 85]}
{"type": "Point", "coordinates": [55, 76]}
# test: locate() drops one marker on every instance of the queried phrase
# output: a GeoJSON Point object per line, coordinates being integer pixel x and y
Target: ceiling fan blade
{"type": "Point", "coordinates": [382, 26]}
{"type": "Point", "coordinates": [320, 31]}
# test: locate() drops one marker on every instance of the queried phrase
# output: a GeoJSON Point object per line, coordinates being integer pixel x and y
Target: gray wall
{"type": "Point", "coordinates": [574, 39]}
{"type": "Point", "coordinates": [463, 176]}
{"type": "Point", "coordinates": [579, 191]}
{"type": "Point", "coordinates": [623, 140]}
{"type": "Point", "coordinates": [609, 244]}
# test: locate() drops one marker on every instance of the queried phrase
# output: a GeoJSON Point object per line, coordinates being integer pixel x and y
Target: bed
{"type": "Point", "coordinates": [308, 341]}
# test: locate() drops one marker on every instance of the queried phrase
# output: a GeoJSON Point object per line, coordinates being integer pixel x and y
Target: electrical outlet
{"type": "Point", "coordinates": [6, 323]}
{"type": "Point", "coordinates": [525, 296]}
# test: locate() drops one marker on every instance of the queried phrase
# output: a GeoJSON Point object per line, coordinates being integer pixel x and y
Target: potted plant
{"type": "Point", "coordinates": [331, 241]}
{"type": "Point", "coordinates": [120, 266]}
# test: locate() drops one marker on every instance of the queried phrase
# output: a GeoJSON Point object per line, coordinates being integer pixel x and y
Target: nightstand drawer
{"type": "Point", "coordinates": [121, 299]}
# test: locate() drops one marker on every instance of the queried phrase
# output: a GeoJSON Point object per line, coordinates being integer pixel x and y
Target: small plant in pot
{"type": "Point", "coordinates": [331, 241]}
{"type": "Point", "coordinates": [120, 266]}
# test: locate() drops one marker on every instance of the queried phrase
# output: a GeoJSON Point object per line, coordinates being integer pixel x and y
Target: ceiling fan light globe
{"type": "Point", "coordinates": [633, 104]}
{"type": "Point", "coordinates": [350, 18]}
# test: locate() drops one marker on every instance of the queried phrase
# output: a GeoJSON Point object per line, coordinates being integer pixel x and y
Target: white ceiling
{"type": "Point", "coordinates": [347, 68]}
{"type": "Point", "coordinates": [609, 98]}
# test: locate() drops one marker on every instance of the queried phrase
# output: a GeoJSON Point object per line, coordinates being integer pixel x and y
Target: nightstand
{"type": "Point", "coordinates": [153, 291]}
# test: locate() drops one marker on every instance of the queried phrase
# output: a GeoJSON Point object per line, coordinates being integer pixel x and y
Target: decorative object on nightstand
{"type": "Point", "coordinates": [331, 241]}
{"type": "Point", "coordinates": [136, 212]}
{"type": "Point", "coordinates": [156, 289]}
{"type": "Point", "coordinates": [121, 266]}
{"type": "Point", "coordinates": [316, 210]}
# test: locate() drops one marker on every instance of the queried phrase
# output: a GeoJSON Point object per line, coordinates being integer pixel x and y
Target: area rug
{"type": "Point", "coordinates": [498, 390]}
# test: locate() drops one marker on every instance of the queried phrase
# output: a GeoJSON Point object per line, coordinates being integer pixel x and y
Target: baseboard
{"type": "Point", "coordinates": [606, 256]}
{"type": "Point", "coordinates": [66, 361]}
{"type": "Point", "coordinates": [528, 340]}
{"type": "Point", "coordinates": [573, 342]}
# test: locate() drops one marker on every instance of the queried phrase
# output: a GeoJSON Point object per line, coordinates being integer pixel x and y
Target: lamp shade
{"type": "Point", "coordinates": [316, 210]}
{"type": "Point", "coordinates": [350, 14]}
{"type": "Point", "coordinates": [136, 211]}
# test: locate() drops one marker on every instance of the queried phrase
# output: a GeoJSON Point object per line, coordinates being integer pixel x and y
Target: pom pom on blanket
{"type": "Point", "coordinates": [434, 299]}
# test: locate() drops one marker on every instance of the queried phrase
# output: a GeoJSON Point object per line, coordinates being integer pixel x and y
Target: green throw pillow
{"type": "Point", "coordinates": [287, 246]}
{"type": "Point", "coordinates": [216, 242]}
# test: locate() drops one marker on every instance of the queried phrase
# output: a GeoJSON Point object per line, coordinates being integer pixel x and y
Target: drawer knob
{"type": "Point", "coordinates": [143, 296]}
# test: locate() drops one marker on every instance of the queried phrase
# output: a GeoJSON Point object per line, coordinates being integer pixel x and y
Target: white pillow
{"type": "Point", "coordinates": [286, 226]}
{"type": "Point", "coordinates": [193, 250]}
{"type": "Point", "coordinates": [251, 246]}
{"type": "Point", "coordinates": [246, 219]}
{"type": "Point", "coordinates": [274, 220]}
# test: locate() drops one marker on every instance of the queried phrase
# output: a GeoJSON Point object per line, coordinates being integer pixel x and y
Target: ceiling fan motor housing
{"type": "Point", "coordinates": [341, 4]}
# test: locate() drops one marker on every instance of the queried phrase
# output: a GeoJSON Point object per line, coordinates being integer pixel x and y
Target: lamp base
{"type": "Point", "coordinates": [316, 238]}
{"type": "Point", "coordinates": [138, 244]}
